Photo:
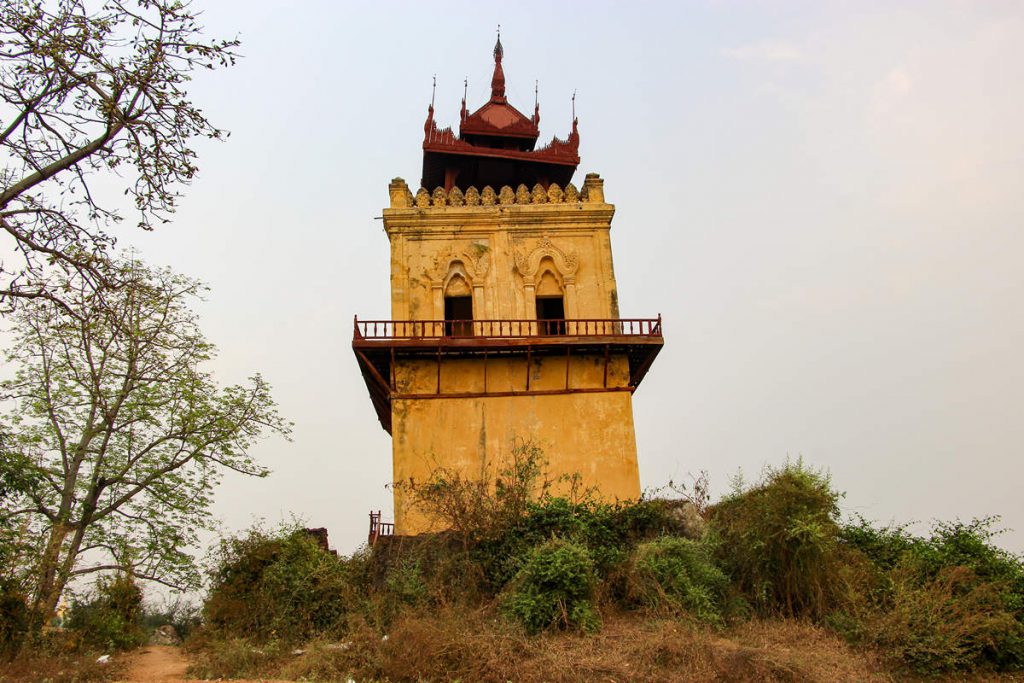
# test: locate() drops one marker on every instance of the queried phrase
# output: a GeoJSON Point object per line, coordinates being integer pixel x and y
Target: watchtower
{"type": "Point", "coordinates": [504, 312]}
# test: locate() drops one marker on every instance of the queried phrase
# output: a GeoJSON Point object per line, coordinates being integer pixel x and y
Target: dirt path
{"type": "Point", "coordinates": [163, 664]}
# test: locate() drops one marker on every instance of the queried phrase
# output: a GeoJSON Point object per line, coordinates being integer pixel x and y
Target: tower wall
{"type": "Point", "coordinates": [501, 251]}
{"type": "Point", "coordinates": [589, 432]}
{"type": "Point", "coordinates": [466, 414]}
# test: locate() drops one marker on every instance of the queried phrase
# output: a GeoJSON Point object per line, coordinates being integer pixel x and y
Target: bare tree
{"type": "Point", "coordinates": [118, 433]}
{"type": "Point", "coordinates": [92, 94]}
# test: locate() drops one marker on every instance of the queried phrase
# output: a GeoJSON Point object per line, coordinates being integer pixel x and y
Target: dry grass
{"type": "Point", "coordinates": [803, 651]}
{"type": "Point", "coordinates": [476, 646]}
{"type": "Point", "coordinates": [64, 668]}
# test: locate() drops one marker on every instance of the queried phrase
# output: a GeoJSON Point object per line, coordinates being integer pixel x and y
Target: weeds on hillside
{"type": "Point", "coordinates": [951, 601]}
{"type": "Point", "coordinates": [521, 565]}
{"type": "Point", "coordinates": [554, 589]}
{"type": "Point", "coordinates": [269, 585]}
{"type": "Point", "coordinates": [778, 539]}
{"type": "Point", "coordinates": [109, 618]}
{"type": "Point", "coordinates": [679, 576]}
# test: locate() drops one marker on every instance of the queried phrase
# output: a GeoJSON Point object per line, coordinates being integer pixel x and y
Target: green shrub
{"type": "Point", "coordinates": [14, 621]}
{"type": "Point", "coordinates": [405, 584]}
{"type": "Point", "coordinates": [608, 532]}
{"type": "Point", "coordinates": [950, 602]}
{"type": "Point", "coordinates": [554, 589]}
{"type": "Point", "coordinates": [778, 541]}
{"type": "Point", "coordinates": [110, 617]}
{"type": "Point", "coordinates": [280, 585]}
{"type": "Point", "coordinates": [884, 546]}
{"type": "Point", "coordinates": [678, 575]}
{"type": "Point", "coordinates": [951, 622]}
{"type": "Point", "coordinates": [500, 517]}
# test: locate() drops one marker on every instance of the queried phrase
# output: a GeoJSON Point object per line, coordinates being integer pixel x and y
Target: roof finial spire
{"type": "Point", "coordinates": [536, 102]}
{"type": "Point", "coordinates": [428, 126]}
{"type": "Point", "coordinates": [465, 91]}
{"type": "Point", "coordinates": [498, 80]}
{"type": "Point", "coordinates": [574, 136]}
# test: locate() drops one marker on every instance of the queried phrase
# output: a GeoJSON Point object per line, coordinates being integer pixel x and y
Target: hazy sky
{"type": "Point", "coordinates": [825, 201]}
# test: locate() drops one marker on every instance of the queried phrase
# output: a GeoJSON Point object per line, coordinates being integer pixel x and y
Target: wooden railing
{"type": "Point", "coordinates": [506, 329]}
{"type": "Point", "coordinates": [379, 528]}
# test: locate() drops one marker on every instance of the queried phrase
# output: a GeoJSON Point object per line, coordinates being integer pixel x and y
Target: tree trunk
{"type": "Point", "coordinates": [49, 586]}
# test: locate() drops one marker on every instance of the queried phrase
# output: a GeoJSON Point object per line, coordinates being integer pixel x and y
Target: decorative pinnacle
{"type": "Point", "coordinates": [498, 80]}
{"type": "Point", "coordinates": [536, 103]}
{"type": "Point", "coordinates": [465, 90]}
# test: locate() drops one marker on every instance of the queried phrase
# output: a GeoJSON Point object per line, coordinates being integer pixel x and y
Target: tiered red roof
{"type": "Point", "coordinates": [495, 146]}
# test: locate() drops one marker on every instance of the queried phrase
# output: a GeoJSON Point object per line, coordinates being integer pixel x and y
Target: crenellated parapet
{"type": "Point", "coordinates": [403, 198]}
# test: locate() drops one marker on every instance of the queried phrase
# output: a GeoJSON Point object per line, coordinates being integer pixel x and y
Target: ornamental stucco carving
{"type": "Point", "coordinates": [539, 196]}
{"type": "Point", "coordinates": [475, 258]}
{"type": "Point", "coordinates": [553, 194]}
{"type": "Point", "coordinates": [528, 264]}
{"type": "Point", "coordinates": [422, 199]}
{"type": "Point", "coordinates": [522, 194]}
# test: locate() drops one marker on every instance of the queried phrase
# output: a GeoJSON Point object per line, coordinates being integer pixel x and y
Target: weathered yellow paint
{"type": "Point", "coordinates": [588, 434]}
{"type": "Point", "coordinates": [504, 256]}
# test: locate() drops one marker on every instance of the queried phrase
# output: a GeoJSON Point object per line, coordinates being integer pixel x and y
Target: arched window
{"type": "Point", "coordinates": [550, 300]}
{"type": "Point", "coordinates": [458, 307]}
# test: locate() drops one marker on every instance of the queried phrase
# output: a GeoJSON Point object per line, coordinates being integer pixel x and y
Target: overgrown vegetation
{"type": "Point", "coordinates": [951, 601]}
{"type": "Point", "coordinates": [554, 589]}
{"type": "Point", "coordinates": [679, 575]}
{"type": "Point", "coordinates": [110, 617]}
{"type": "Point", "coordinates": [779, 539]}
{"type": "Point", "coordinates": [14, 621]}
{"type": "Point", "coordinates": [280, 586]}
{"type": "Point", "coordinates": [523, 575]}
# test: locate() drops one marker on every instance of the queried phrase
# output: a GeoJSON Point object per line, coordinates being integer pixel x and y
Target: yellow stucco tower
{"type": "Point", "coordinates": [504, 321]}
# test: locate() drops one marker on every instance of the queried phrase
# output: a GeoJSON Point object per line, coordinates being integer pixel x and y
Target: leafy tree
{"type": "Point", "coordinates": [122, 430]}
{"type": "Point", "coordinates": [90, 93]}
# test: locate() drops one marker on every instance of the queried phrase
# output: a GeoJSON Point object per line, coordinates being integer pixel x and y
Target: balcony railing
{"type": "Point", "coordinates": [506, 329]}
{"type": "Point", "coordinates": [379, 528]}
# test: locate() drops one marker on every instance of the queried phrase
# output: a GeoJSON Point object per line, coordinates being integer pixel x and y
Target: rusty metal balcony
{"type": "Point", "coordinates": [379, 528]}
{"type": "Point", "coordinates": [380, 344]}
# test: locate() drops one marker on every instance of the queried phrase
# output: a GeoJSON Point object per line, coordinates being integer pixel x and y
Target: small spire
{"type": "Point", "coordinates": [574, 136]}
{"type": "Point", "coordinates": [428, 125]}
{"type": "Point", "coordinates": [498, 80]}
{"type": "Point", "coordinates": [465, 91]}
{"type": "Point", "coordinates": [536, 102]}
